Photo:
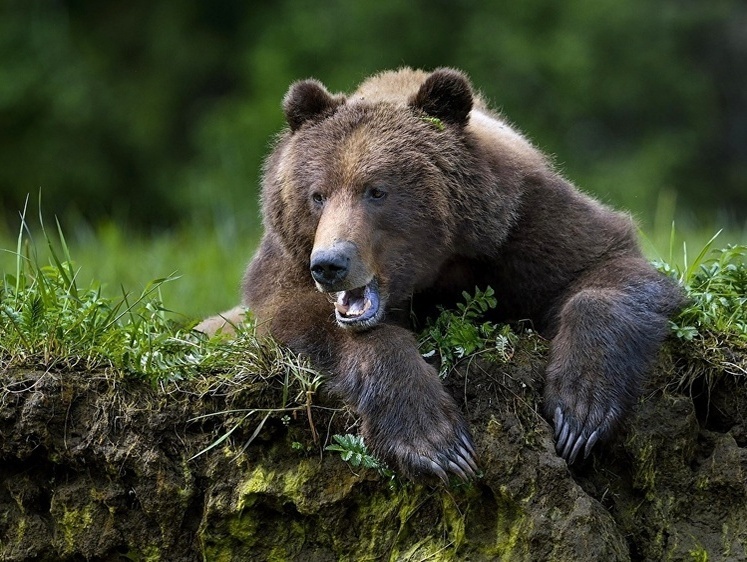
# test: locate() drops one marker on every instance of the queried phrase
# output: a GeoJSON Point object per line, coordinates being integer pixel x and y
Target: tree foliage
{"type": "Point", "coordinates": [150, 112]}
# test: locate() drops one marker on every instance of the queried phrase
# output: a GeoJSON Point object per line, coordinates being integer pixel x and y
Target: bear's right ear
{"type": "Point", "coordinates": [309, 100]}
{"type": "Point", "coordinates": [445, 94]}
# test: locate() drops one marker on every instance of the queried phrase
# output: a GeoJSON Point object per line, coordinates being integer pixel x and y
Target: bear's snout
{"type": "Point", "coordinates": [330, 266]}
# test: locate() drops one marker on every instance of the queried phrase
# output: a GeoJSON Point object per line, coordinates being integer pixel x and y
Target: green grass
{"type": "Point", "coordinates": [108, 296]}
{"type": "Point", "coordinates": [54, 316]}
{"type": "Point", "coordinates": [205, 266]}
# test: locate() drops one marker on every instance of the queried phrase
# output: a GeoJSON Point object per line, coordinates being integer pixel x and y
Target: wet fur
{"type": "Point", "coordinates": [470, 204]}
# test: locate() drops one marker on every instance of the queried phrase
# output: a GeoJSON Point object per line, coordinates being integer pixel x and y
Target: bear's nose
{"type": "Point", "coordinates": [329, 267]}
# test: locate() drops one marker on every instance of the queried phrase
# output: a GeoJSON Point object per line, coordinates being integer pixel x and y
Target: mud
{"type": "Point", "coordinates": [96, 466]}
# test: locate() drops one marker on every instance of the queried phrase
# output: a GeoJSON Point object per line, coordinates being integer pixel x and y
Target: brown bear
{"type": "Point", "coordinates": [400, 196]}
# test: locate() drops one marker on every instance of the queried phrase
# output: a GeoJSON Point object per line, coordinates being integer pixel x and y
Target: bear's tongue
{"type": "Point", "coordinates": [352, 303]}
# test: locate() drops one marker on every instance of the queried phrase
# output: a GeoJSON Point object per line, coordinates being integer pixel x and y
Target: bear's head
{"type": "Point", "coordinates": [363, 192]}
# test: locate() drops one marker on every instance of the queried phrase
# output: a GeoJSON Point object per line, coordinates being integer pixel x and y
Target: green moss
{"type": "Point", "coordinates": [454, 520]}
{"type": "Point", "coordinates": [288, 550]}
{"type": "Point", "coordinates": [294, 481]}
{"type": "Point", "coordinates": [644, 476]}
{"type": "Point", "coordinates": [148, 554]}
{"type": "Point", "coordinates": [257, 523]}
{"type": "Point", "coordinates": [20, 530]}
{"type": "Point", "coordinates": [244, 528]}
{"type": "Point", "coordinates": [512, 526]}
{"type": "Point", "coordinates": [74, 523]}
{"type": "Point", "coordinates": [698, 554]}
{"type": "Point", "coordinates": [257, 482]}
{"type": "Point", "coordinates": [218, 553]}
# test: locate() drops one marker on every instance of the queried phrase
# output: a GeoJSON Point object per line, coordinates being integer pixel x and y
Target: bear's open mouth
{"type": "Point", "coordinates": [358, 306]}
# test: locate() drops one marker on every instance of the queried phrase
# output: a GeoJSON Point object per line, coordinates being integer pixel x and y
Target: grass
{"type": "Point", "coordinates": [51, 319]}
{"type": "Point", "coordinates": [205, 266]}
{"type": "Point", "coordinates": [54, 316]}
{"type": "Point", "coordinates": [54, 309]}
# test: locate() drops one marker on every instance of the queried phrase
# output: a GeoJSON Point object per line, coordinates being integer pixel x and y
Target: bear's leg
{"type": "Point", "coordinates": [407, 416]}
{"type": "Point", "coordinates": [225, 322]}
{"type": "Point", "coordinates": [608, 336]}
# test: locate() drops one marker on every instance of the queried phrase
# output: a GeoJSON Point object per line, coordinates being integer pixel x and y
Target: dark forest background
{"type": "Point", "coordinates": [159, 113]}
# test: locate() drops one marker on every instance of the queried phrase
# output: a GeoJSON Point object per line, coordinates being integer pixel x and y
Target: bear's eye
{"type": "Point", "coordinates": [376, 193]}
{"type": "Point", "coordinates": [317, 198]}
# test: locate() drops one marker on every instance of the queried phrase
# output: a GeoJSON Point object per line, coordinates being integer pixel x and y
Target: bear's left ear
{"type": "Point", "coordinates": [309, 100]}
{"type": "Point", "coordinates": [447, 95]}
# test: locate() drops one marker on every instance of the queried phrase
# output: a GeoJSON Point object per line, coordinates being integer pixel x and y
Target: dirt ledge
{"type": "Point", "coordinates": [95, 466]}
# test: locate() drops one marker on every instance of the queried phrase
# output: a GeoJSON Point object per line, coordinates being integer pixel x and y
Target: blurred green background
{"type": "Point", "coordinates": [143, 124]}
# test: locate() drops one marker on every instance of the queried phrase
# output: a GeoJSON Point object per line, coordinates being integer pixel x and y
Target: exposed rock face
{"type": "Point", "coordinates": [96, 467]}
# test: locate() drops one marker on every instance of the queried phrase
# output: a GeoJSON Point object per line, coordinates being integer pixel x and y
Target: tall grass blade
{"type": "Point", "coordinates": [690, 270]}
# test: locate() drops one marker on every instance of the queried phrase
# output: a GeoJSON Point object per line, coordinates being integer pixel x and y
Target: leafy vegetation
{"type": "Point", "coordinates": [353, 450]}
{"type": "Point", "coordinates": [50, 320]}
{"type": "Point", "coordinates": [143, 115]}
{"type": "Point", "coordinates": [713, 325]}
{"type": "Point", "coordinates": [716, 285]}
{"type": "Point", "coordinates": [456, 335]}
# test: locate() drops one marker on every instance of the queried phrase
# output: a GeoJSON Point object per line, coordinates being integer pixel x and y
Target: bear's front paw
{"type": "Point", "coordinates": [435, 453]}
{"type": "Point", "coordinates": [581, 427]}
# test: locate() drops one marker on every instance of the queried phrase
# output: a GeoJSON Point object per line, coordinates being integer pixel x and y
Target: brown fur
{"type": "Point", "coordinates": [369, 191]}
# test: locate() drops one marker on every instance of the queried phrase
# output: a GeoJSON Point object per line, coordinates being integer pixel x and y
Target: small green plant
{"type": "Point", "coordinates": [435, 121]}
{"type": "Point", "coordinates": [353, 450]}
{"type": "Point", "coordinates": [458, 334]}
{"type": "Point", "coordinates": [714, 318]}
{"type": "Point", "coordinates": [716, 287]}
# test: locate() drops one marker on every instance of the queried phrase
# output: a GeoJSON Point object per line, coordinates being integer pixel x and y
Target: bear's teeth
{"type": "Point", "coordinates": [354, 305]}
{"type": "Point", "coordinates": [356, 309]}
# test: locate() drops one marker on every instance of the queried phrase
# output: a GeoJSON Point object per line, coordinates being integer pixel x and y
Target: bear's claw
{"type": "Point", "coordinates": [459, 460]}
{"type": "Point", "coordinates": [570, 440]}
{"type": "Point", "coordinates": [454, 468]}
{"type": "Point", "coordinates": [435, 468]}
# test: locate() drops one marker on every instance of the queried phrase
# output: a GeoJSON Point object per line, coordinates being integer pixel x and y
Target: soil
{"type": "Point", "coordinates": [98, 466]}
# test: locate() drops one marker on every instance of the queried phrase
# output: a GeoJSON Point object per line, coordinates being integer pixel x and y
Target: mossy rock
{"type": "Point", "coordinates": [98, 466]}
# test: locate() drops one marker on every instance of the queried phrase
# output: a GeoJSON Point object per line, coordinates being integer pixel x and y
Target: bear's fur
{"type": "Point", "coordinates": [399, 197]}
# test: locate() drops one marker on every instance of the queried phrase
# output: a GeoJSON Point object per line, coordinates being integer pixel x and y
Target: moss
{"type": "Point", "coordinates": [294, 484]}
{"type": "Point", "coordinates": [263, 517]}
{"type": "Point", "coordinates": [512, 527]}
{"type": "Point", "coordinates": [148, 554]}
{"type": "Point", "coordinates": [278, 537]}
{"type": "Point", "coordinates": [244, 528]}
{"type": "Point", "coordinates": [151, 554]}
{"type": "Point", "coordinates": [257, 482]}
{"type": "Point", "coordinates": [73, 524]}
{"type": "Point", "coordinates": [644, 476]}
{"type": "Point", "coordinates": [288, 550]}
{"type": "Point", "coordinates": [20, 531]}
{"type": "Point", "coordinates": [698, 554]}
{"type": "Point", "coordinates": [218, 553]}
{"type": "Point", "coordinates": [377, 522]}
{"type": "Point", "coordinates": [454, 520]}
